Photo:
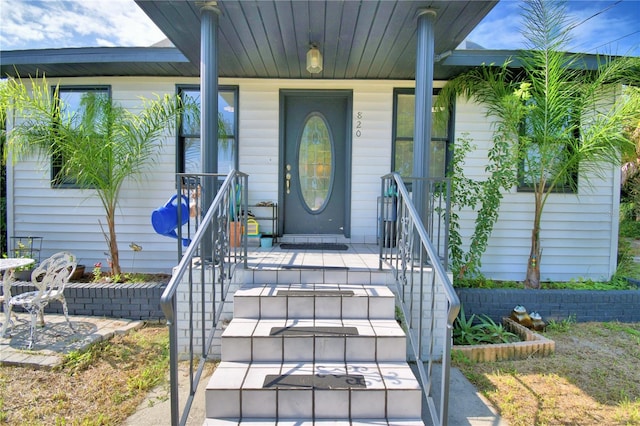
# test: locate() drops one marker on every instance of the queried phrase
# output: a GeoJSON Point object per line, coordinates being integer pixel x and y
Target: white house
{"type": "Point", "coordinates": [375, 57]}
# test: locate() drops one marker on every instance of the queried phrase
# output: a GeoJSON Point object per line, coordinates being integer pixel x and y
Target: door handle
{"type": "Point", "coordinates": [288, 179]}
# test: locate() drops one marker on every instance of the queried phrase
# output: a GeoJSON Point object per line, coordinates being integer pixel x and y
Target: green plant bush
{"type": "Point", "coordinates": [630, 229]}
{"type": "Point", "coordinates": [468, 331]}
{"type": "Point", "coordinates": [483, 282]}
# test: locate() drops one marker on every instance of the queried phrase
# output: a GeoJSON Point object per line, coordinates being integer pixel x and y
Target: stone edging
{"type": "Point", "coordinates": [533, 344]}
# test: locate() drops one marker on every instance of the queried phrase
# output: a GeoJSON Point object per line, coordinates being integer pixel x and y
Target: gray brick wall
{"type": "Point", "coordinates": [620, 305]}
{"type": "Point", "coordinates": [131, 301]}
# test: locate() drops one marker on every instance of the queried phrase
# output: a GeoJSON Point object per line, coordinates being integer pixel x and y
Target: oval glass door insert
{"type": "Point", "coordinates": [315, 162]}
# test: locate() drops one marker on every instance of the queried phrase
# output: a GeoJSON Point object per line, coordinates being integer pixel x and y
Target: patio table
{"type": "Point", "coordinates": [9, 265]}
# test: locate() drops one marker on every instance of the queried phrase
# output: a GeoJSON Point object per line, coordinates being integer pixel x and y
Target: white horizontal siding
{"type": "Point", "coordinates": [578, 232]}
{"type": "Point", "coordinates": [68, 219]}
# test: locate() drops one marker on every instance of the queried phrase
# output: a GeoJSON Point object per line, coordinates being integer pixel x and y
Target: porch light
{"type": "Point", "coordinates": [314, 60]}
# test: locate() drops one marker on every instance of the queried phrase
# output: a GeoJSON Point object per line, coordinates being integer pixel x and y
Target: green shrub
{"type": "Point", "coordinates": [630, 229]}
{"type": "Point", "coordinates": [466, 331]}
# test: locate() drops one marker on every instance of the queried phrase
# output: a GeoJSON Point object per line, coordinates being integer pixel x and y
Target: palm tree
{"type": "Point", "coordinates": [98, 147]}
{"type": "Point", "coordinates": [557, 116]}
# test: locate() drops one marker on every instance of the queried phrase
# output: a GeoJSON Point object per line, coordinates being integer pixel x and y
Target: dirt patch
{"type": "Point", "coordinates": [101, 386]}
{"type": "Point", "coordinates": [592, 379]}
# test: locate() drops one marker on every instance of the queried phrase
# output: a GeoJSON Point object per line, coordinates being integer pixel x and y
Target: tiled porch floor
{"type": "Point", "coordinates": [356, 257]}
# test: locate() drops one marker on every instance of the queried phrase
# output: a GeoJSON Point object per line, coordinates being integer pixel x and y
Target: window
{"type": "Point", "coordinates": [188, 149]}
{"type": "Point", "coordinates": [403, 127]}
{"type": "Point", "coordinates": [550, 157]}
{"type": "Point", "coordinates": [73, 108]}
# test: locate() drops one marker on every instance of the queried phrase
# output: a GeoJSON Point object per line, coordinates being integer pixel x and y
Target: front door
{"type": "Point", "coordinates": [316, 161]}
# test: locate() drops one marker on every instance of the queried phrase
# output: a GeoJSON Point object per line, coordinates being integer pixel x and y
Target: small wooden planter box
{"type": "Point", "coordinates": [532, 344]}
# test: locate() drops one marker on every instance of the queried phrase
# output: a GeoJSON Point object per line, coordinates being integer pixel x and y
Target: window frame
{"type": "Point", "coordinates": [568, 187]}
{"type": "Point", "coordinates": [57, 180]}
{"type": "Point", "coordinates": [448, 140]}
{"type": "Point", "coordinates": [180, 165]}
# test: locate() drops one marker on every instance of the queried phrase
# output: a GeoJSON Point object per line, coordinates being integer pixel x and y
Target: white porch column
{"type": "Point", "coordinates": [423, 104]}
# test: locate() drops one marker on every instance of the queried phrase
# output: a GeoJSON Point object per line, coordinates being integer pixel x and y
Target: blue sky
{"type": "Point", "coordinates": [608, 26]}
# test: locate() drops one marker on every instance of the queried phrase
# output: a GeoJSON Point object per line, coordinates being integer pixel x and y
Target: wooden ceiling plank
{"type": "Point", "coordinates": [377, 33]}
{"type": "Point", "coordinates": [398, 46]}
{"type": "Point", "coordinates": [363, 24]}
{"type": "Point", "coordinates": [350, 10]}
{"type": "Point", "coordinates": [300, 17]}
{"type": "Point", "coordinates": [263, 53]}
{"type": "Point", "coordinates": [329, 46]}
{"type": "Point", "coordinates": [290, 42]}
{"type": "Point", "coordinates": [228, 61]}
{"type": "Point", "coordinates": [237, 30]}
{"type": "Point", "coordinates": [273, 34]}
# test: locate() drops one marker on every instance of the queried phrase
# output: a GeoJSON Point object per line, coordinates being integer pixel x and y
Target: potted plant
{"type": "Point", "coordinates": [26, 247]}
{"type": "Point", "coordinates": [266, 241]}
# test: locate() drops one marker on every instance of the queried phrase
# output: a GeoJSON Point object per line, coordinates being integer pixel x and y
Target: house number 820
{"type": "Point", "coordinates": [358, 124]}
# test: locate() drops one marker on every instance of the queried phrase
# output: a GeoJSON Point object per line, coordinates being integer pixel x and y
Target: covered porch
{"type": "Point", "coordinates": [312, 53]}
{"type": "Point", "coordinates": [335, 314]}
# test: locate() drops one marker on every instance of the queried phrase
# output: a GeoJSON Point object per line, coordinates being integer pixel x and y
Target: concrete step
{"type": "Point", "coordinates": [318, 390]}
{"type": "Point", "coordinates": [354, 274]}
{"type": "Point", "coordinates": [303, 301]}
{"type": "Point", "coordinates": [317, 422]}
{"type": "Point", "coordinates": [281, 340]}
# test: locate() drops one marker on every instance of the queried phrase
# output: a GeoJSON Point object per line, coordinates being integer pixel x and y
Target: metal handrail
{"type": "Point", "coordinates": [419, 271]}
{"type": "Point", "coordinates": [209, 251]}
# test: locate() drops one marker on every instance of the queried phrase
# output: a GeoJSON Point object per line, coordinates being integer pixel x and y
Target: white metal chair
{"type": "Point", "coordinates": [7, 281]}
{"type": "Point", "coordinates": [50, 278]}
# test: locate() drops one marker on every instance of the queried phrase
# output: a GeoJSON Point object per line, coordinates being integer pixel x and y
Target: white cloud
{"type": "Point", "coordinates": [28, 24]}
{"type": "Point", "coordinates": [500, 29]}
{"type": "Point", "coordinates": [606, 22]}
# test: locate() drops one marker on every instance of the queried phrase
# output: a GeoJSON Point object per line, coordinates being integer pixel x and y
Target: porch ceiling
{"type": "Point", "coordinates": [358, 39]}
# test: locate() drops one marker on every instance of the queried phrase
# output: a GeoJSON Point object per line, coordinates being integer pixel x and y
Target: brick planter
{"type": "Point", "coordinates": [140, 301]}
{"type": "Point", "coordinates": [532, 344]}
{"type": "Point", "coordinates": [584, 305]}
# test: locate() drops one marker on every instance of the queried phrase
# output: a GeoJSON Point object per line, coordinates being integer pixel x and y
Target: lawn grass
{"type": "Point", "coordinates": [100, 386]}
{"type": "Point", "coordinates": [592, 379]}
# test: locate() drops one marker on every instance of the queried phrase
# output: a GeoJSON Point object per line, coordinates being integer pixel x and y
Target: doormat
{"type": "Point", "coordinates": [314, 246]}
{"type": "Point", "coordinates": [314, 268]}
{"type": "Point", "coordinates": [314, 381]}
{"type": "Point", "coordinates": [313, 331]}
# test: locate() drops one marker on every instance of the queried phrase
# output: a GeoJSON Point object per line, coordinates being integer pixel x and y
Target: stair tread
{"type": "Point", "coordinates": [253, 375]}
{"type": "Point", "coordinates": [314, 301]}
{"type": "Point", "coordinates": [254, 327]}
{"type": "Point", "coordinates": [311, 422]}
{"type": "Point", "coordinates": [315, 289]}
{"type": "Point", "coordinates": [248, 339]}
